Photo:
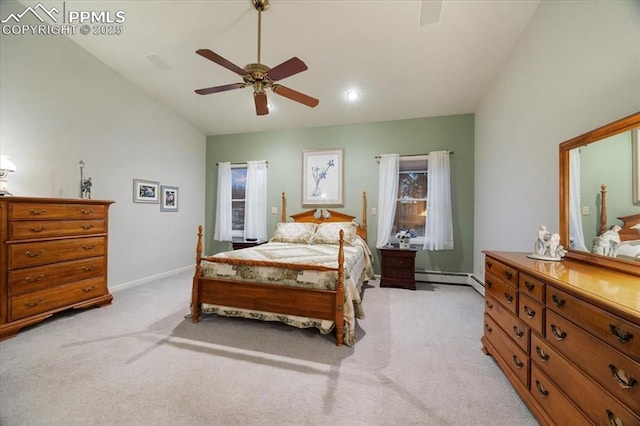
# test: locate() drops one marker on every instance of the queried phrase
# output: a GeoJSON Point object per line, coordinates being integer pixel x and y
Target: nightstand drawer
{"type": "Point", "coordinates": [399, 262]}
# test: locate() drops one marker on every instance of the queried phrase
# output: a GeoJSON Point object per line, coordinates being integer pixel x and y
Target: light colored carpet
{"type": "Point", "coordinates": [140, 362]}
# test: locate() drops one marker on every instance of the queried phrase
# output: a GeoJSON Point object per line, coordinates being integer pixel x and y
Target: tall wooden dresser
{"type": "Point", "coordinates": [53, 256]}
{"type": "Point", "coordinates": [567, 336]}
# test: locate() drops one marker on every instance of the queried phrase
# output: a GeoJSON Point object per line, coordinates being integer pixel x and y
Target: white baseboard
{"type": "Point", "coordinates": [453, 278]}
{"type": "Point", "coordinates": [144, 280]}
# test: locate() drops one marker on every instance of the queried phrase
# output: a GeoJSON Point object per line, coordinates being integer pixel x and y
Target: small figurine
{"type": "Point", "coordinates": [85, 188]}
{"type": "Point", "coordinates": [608, 242]}
{"type": "Point", "coordinates": [547, 246]}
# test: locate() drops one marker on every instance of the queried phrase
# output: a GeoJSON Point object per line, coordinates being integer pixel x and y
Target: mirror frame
{"type": "Point", "coordinates": [596, 135]}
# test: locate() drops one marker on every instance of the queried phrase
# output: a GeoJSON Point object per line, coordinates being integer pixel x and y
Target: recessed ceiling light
{"type": "Point", "coordinates": [353, 95]}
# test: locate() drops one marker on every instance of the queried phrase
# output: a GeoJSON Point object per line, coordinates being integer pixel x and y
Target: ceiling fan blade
{"type": "Point", "coordinates": [217, 89]}
{"type": "Point", "coordinates": [206, 53]}
{"type": "Point", "coordinates": [295, 96]}
{"type": "Point", "coordinates": [260, 99]}
{"type": "Point", "coordinates": [287, 69]}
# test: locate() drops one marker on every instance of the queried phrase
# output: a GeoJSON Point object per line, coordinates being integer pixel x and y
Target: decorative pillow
{"type": "Point", "coordinates": [294, 232]}
{"type": "Point", "coordinates": [329, 233]}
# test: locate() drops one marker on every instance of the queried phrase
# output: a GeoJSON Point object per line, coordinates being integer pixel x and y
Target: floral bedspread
{"type": "Point", "coordinates": [357, 265]}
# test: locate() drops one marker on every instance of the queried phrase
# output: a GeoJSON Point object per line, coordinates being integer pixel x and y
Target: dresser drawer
{"type": "Point", "coordinates": [44, 252]}
{"type": "Point", "coordinates": [46, 300]}
{"type": "Point", "coordinates": [619, 333]}
{"type": "Point", "coordinates": [553, 401]}
{"type": "Point", "coordinates": [41, 277]}
{"type": "Point", "coordinates": [532, 287]}
{"type": "Point", "coordinates": [596, 402]}
{"type": "Point", "coordinates": [44, 229]}
{"type": "Point", "coordinates": [510, 353]}
{"type": "Point", "coordinates": [531, 312]}
{"type": "Point", "coordinates": [617, 373]}
{"type": "Point", "coordinates": [516, 329]}
{"type": "Point", "coordinates": [504, 293]}
{"type": "Point", "coordinates": [43, 211]}
{"type": "Point", "coordinates": [502, 271]}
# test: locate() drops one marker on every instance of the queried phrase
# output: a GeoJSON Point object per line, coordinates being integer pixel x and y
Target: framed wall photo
{"type": "Point", "coordinates": [322, 183]}
{"type": "Point", "coordinates": [146, 191]}
{"type": "Point", "coordinates": [168, 198]}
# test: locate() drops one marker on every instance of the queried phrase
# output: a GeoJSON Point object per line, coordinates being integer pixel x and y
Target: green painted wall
{"type": "Point", "coordinates": [361, 144]}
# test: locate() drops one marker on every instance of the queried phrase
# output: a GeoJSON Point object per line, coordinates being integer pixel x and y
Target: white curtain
{"type": "Point", "coordinates": [439, 221]}
{"type": "Point", "coordinates": [255, 212]}
{"type": "Point", "coordinates": [387, 196]}
{"type": "Point", "coordinates": [223, 204]}
{"type": "Point", "coordinates": [575, 219]}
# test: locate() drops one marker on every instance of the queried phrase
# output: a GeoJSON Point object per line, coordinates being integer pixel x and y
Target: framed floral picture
{"type": "Point", "coordinates": [169, 198]}
{"type": "Point", "coordinates": [322, 183]}
{"type": "Point", "coordinates": [146, 191]}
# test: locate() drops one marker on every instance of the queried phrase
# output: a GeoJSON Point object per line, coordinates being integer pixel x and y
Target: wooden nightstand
{"type": "Point", "coordinates": [398, 267]}
{"type": "Point", "coordinates": [240, 244]}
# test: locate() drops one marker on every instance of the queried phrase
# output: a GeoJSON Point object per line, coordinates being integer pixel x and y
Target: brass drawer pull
{"type": "Point", "coordinates": [32, 304]}
{"type": "Point", "coordinates": [488, 328]}
{"type": "Point", "coordinates": [559, 302]}
{"type": "Point", "coordinates": [529, 286]}
{"type": "Point", "coordinates": [624, 384]}
{"type": "Point", "coordinates": [621, 335]}
{"type": "Point", "coordinates": [89, 289]}
{"type": "Point", "coordinates": [38, 212]}
{"type": "Point", "coordinates": [89, 247]}
{"type": "Point", "coordinates": [613, 420]}
{"type": "Point", "coordinates": [489, 305]}
{"type": "Point", "coordinates": [529, 312]}
{"type": "Point", "coordinates": [517, 362]}
{"type": "Point", "coordinates": [489, 265]}
{"type": "Point", "coordinates": [42, 228]}
{"type": "Point", "coordinates": [519, 333]}
{"type": "Point", "coordinates": [89, 268]}
{"type": "Point", "coordinates": [543, 392]}
{"type": "Point", "coordinates": [541, 354]}
{"type": "Point", "coordinates": [86, 227]}
{"type": "Point", "coordinates": [488, 283]}
{"type": "Point", "coordinates": [36, 254]}
{"type": "Point", "coordinates": [557, 331]}
{"type": "Point", "coordinates": [86, 211]}
{"type": "Point", "coordinates": [508, 297]}
{"type": "Point", "coordinates": [508, 274]}
{"type": "Point", "coordinates": [33, 280]}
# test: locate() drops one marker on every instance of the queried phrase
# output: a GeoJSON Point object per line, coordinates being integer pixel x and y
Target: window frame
{"type": "Point", "coordinates": [417, 240]}
{"type": "Point", "coordinates": [238, 233]}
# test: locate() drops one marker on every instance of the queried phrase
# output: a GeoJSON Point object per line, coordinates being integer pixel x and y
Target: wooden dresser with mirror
{"type": "Point", "coordinates": [567, 334]}
{"type": "Point", "coordinates": [53, 257]}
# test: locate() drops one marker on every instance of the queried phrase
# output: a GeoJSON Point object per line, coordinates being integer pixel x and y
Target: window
{"type": "Point", "coordinates": [238, 186]}
{"type": "Point", "coordinates": [411, 206]}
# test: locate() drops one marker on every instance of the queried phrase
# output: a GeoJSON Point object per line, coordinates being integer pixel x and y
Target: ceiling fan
{"type": "Point", "coordinates": [260, 76]}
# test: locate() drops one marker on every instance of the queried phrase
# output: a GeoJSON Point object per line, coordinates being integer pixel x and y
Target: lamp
{"type": "Point", "coordinates": [6, 167]}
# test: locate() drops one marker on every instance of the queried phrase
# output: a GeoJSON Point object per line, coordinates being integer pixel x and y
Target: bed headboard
{"type": "Point", "coordinates": [630, 224]}
{"type": "Point", "coordinates": [321, 215]}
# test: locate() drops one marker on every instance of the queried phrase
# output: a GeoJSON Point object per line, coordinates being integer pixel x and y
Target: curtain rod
{"type": "Point", "coordinates": [412, 155]}
{"type": "Point", "coordinates": [240, 164]}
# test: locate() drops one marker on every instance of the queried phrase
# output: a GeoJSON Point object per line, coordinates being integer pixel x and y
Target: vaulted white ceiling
{"type": "Point", "coordinates": [401, 68]}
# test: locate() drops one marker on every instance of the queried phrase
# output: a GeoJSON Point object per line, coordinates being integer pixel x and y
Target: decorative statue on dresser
{"type": "Point", "coordinates": [608, 242]}
{"type": "Point", "coordinates": [547, 246]}
{"type": "Point", "coordinates": [85, 188]}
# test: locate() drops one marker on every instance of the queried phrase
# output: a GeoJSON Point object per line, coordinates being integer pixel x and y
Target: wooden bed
{"type": "Point", "coordinates": [629, 231]}
{"type": "Point", "coordinates": [322, 304]}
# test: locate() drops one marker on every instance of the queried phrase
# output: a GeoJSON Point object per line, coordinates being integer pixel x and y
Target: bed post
{"type": "Point", "coordinates": [283, 208]}
{"type": "Point", "coordinates": [364, 210]}
{"type": "Point", "coordinates": [195, 290]}
{"type": "Point", "coordinates": [340, 293]}
{"type": "Point", "coordinates": [603, 209]}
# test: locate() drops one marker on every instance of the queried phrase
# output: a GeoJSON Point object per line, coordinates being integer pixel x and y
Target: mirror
{"type": "Point", "coordinates": [599, 203]}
